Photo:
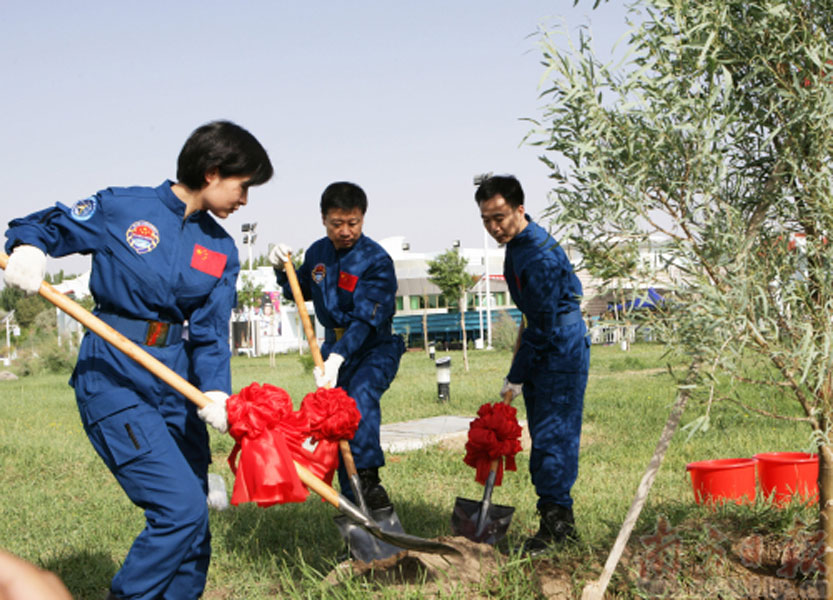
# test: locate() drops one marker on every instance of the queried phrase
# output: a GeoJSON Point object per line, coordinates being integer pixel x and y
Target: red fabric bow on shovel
{"type": "Point", "coordinates": [332, 416]}
{"type": "Point", "coordinates": [494, 435]}
{"type": "Point", "coordinates": [269, 436]}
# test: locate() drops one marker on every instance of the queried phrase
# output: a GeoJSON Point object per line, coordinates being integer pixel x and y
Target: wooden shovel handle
{"type": "Point", "coordinates": [298, 296]}
{"type": "Point", "coordinates": [103, 330]}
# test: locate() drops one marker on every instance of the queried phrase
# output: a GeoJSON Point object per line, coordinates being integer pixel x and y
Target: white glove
{"type": "Point", "coordinates": [279, 254]}
{"type": "Point", "coordinates": [515, 388]}
{"type": "Point", "coordinates": [329, 376]}
{"type": "Point", "coordinates": [214, 414]}
{"type": "Point", "coordinates": [26, 268]}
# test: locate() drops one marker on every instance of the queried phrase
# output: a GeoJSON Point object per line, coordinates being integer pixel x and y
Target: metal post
{"type": "Point", "coordinates": [488, 291]}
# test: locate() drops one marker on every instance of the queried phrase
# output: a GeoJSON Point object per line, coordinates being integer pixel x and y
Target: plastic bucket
{"type": "Point", "coordinates": [789, 473]}
{"type": "Point", "coordinates": [721, 480]}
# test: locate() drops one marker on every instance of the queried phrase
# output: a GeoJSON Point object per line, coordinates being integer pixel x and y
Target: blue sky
{"type": "Point", "coordinates": [408, 99]}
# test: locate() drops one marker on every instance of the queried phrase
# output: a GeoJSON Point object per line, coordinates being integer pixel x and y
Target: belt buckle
{"type": "Point", "coordinates": [157, 333]}
{"type": "Point", "coordinates": [339, 331]}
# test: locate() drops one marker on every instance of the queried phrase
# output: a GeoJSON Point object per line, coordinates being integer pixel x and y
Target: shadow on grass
{"type": "Point", "coordinates": [307, 531]}
{"type": "Point", "coordinates": [87, 575]}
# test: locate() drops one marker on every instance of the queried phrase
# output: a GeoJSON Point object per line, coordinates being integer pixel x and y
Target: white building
{"type": "Point", "coordinates": [273, 324]}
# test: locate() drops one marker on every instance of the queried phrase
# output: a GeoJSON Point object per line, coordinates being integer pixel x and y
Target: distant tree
{"type": "Point", "coordinates": [248, 297]}
{"type": "Point", "coordinates": [250, 293]}
{"type": "Point", "coordinates": [9, 298]}
{"type": "Point", "coordinates": [448, 272]}
{"type": "Point", "coordinates": [28, 308]}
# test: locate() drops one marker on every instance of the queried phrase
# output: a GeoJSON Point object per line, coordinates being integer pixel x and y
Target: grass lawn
{"type": "Point", "coordinates": [63, 510]}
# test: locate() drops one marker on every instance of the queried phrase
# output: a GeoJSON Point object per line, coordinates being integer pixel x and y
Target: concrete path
{"type": "Point", "coordinates": [412, 435]}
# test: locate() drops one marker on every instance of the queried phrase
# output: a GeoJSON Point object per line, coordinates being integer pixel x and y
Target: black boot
{"type": "Point", "coordinates": [374, 494]}
{"type": "Point", "coordinates": [557, 526]}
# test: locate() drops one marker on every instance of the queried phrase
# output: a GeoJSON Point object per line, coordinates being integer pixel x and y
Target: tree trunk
{"type": "Point", "coordinates": [298, 329]}
{"type": "Point", "coordinates": [425, 325]}
{"type": "Point", "coordinates": [826, 511]}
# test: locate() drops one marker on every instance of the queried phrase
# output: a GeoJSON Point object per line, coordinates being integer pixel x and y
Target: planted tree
{"type": "Point", "coordinates": [716, 131]}
{"type": "Point", "coordinates": [248, 296]}
{"type": "Point", "coordinates": [448, 272]}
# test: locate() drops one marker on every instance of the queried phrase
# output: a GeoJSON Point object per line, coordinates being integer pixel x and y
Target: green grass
{"type": "Point", "coordinates": [63, 510]}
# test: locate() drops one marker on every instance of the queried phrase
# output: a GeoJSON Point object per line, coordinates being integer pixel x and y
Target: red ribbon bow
{"type": "Point", "coordinates": [269, 435]}
{"type": "Point", "coordinates": [332, 416]}
{"type": "Point", "coordinates": [494, 434]}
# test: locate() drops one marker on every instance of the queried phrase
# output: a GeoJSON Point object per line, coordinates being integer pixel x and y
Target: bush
{"type": "Point", "coordinates": [504, 332]}
{"type": "Point", "coordinates": [45, 357]}
{"type": "Point", "coordinates": [307, 362]}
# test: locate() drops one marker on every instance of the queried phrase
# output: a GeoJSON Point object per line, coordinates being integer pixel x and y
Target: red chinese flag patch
{"type": "Point", "coordinates": [347, 281]}
{"type": "Point", "coordinates": [208, 261]}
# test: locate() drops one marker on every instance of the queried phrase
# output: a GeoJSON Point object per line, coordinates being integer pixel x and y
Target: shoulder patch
{"type": "Point", "coordinates": [319, 272]}
{"type": "Point", "coordinates": [142, 236]}
{"type": "Point", "coordinates": [83, 209]}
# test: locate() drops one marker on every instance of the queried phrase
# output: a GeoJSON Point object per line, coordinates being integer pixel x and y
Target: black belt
{"type": "Point", "coordinates": [570, 318]}
{"type": "Point", "coordinates": [333, 335]}
{"type": "Point", "coordinates": [142, 331]}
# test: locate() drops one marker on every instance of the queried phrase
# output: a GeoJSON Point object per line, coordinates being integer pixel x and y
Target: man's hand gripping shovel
{"type": "Point", "coordinates": [110, 335]}
{"type": "Point", "coordinates": [362, 546]}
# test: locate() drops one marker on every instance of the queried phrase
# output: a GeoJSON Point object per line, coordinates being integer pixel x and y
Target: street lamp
{"type": "Point", "coordinates": [478, 179]}
{"type": "Point", "coordinates": [249, 237]}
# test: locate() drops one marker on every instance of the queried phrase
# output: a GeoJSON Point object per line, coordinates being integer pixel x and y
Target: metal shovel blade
{"type": "Point", "coordinates": [482, 521]}
{"type": "Point", "coordinates": [467, 513]}
{"type": "Point", "coordinates": [365, 546]}
{"type": "Point", "coordinates": [394, 538]}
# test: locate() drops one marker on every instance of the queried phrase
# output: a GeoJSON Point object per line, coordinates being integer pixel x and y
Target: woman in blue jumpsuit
{"type": "Point", "coordinates": [552, 360]}
{"type": "Point", "coordinates": [163, 274]}
{"type": "Point", "coordinates": [352, 283]}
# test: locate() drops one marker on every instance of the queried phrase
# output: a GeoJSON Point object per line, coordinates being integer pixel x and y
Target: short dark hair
{"type": "Point", "coordinates": [504, 185]}
{"type": "Point", "coordinates": [343, 195]}
{"type": "Point", "coordinates": [224, 146]}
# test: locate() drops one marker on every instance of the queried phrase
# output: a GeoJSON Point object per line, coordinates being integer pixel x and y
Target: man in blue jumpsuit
{"type": "Point", "coordinates": [352, 283]}
{"type": "Point", "coordinates": [163, 274]}
{"type": "Point", "coordinates": [553, 352]}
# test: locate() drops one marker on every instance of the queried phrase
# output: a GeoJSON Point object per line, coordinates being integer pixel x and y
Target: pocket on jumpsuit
{"type": "Point", "coordinates": [123, 437]}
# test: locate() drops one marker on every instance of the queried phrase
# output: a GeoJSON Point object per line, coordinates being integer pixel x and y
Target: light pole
{"type": "Point", "coordinates": [478, 179]}
{"type": "Point", "coordinates": [249, 237]}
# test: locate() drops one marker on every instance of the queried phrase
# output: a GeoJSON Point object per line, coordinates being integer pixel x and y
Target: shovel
{"type": "Point", "coordinates": [483, 521]}
{"type": "Point", "coordinates": [184, 387]}
{"type": "Point", "coordinates": [362, 546]}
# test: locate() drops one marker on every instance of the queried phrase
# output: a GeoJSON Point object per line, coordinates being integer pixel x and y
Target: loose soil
{"type": "Point", "coordinates": [752, 566]}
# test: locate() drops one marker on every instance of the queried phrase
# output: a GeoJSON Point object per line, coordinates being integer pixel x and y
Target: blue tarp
{"type": "Point", "coordinates": [652, 301]}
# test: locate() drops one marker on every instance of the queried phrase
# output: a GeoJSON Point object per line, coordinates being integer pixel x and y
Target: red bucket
{"type": "Point", "coordinates": [717, 481]}
{"type": "Point", "coordinates": [789, 473]}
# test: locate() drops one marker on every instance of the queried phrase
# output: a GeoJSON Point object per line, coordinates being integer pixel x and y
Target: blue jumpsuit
{"type": "Point", "coordinates": [552, 360]}
{"type": "Point", "coordinates": [152, 271]}
{"type": "Point", "coordinates": [354, 294]}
